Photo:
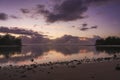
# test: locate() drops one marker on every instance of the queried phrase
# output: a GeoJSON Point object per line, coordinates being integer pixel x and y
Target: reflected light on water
{"type": "Point", "coordinates": [45, 54]}
{"type": "Point", "coordinates": [20, 55]}
{"type": "Point", "coordinates": [1, 56]}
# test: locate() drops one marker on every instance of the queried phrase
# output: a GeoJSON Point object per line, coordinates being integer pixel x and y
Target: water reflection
{"type": "Point", "coordinates": [8, 51]}
{"type": "Point", "coordinates": [45, 53]}
{"type": "Point", "coordinates": [109, 50]}
{"type": "Point", "coordinates": [72, 49]}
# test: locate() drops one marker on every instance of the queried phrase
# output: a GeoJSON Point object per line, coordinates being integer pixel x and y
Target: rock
{"type": "Point", "coordinates": [117, 67]}
{"type": "Point", "coordinates": [32, 60]}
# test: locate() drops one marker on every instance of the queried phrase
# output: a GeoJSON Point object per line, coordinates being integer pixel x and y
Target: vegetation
{"type": "Point", "coordinates": [108, 41]}
{"type": "Point", "coordinates": [9, 40]}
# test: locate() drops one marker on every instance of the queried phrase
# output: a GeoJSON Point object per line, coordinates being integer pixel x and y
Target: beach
{"type": "Point", "coordinates": [74, 70]}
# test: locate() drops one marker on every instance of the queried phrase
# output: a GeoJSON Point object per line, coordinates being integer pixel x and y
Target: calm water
{"type": "Point", "coordinates": [43, 54]}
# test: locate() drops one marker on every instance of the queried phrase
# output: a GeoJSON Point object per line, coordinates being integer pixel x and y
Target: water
{"type": "Point", "coordinates": [46, 53]}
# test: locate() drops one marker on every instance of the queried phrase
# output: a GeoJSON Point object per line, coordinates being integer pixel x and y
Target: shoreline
{"type": "Point", "coordinates": [10, 45]}
{"type": "Point", "coordinates": [73, 70]}
{"type": "Point", "coordinates": [58, 45]}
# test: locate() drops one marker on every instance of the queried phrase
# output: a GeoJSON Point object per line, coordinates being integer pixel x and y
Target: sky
{"type": "Point", "coordinates": [55, 18]}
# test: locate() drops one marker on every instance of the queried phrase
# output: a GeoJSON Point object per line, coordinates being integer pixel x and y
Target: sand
{"type": "Point", "coordinates": [63, 71]}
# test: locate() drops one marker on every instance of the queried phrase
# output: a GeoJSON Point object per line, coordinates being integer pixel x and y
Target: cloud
{"type": "Point", "coordinates": [41, 9]}
{"type": "Point", "coordinates": [25, 11]}
{"type": "Point", "coordinates": [69, 39]}
{"type": "Point", "coordinates": [19, 31]}
{"type": "Point", "coordinates": [67, 11]}
{"type": "Point", "coordinates": [94, 27]}
{"type": "Point", "coordinates": [85, 28]}
{"type": "Point", "coordinates": [70, 10]}
{"type": "Point", "coordinates": [84, 25]}
{"type": "Point", "coordinates": [3, 16]}
{"type": "Point", "coordinates": [63, 10]}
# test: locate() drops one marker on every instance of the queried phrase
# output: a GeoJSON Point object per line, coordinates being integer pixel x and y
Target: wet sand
{"type": "Point", "coordinates": [73, 70]}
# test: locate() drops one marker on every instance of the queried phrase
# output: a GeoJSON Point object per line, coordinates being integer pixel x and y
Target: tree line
{"type": "Point", "coordinates": [108, 41]}
{"type": "Point", "coordinates": [9, 40]}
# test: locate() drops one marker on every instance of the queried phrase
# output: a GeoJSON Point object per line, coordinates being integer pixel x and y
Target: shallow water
{"type": "Point", "coordinates": [26, 55]}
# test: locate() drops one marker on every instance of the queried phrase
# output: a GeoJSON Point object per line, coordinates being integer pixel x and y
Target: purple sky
{"type": "Point", "coordinates": [55, 18]}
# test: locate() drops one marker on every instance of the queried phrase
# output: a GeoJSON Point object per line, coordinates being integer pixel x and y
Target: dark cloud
{"type": "Point", "coordinates": [84, 25]}
{"type": "Point", "coordinates": [35, 12]}
{"type": "Point", "coordinates": [3, 16]}
{"type": "Point", "coordinates": [38, 10]}
{"type": "Point", "coordinates": [41, 9]}
{"type": "Point", "coordinates": [94, 27]}
{"type": "Point", "coordinates": [96, 1]}
{"type": "Point", "coordinates": [65, 10]}
{"type": "Point", "coordinates": [19, 31]}
{"type": "Point", "coordinates": [84, 29]}
{"type": "Point", "coordinates": [25, 11]}
{"type": "Point", "coordinates": [68, 10]}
